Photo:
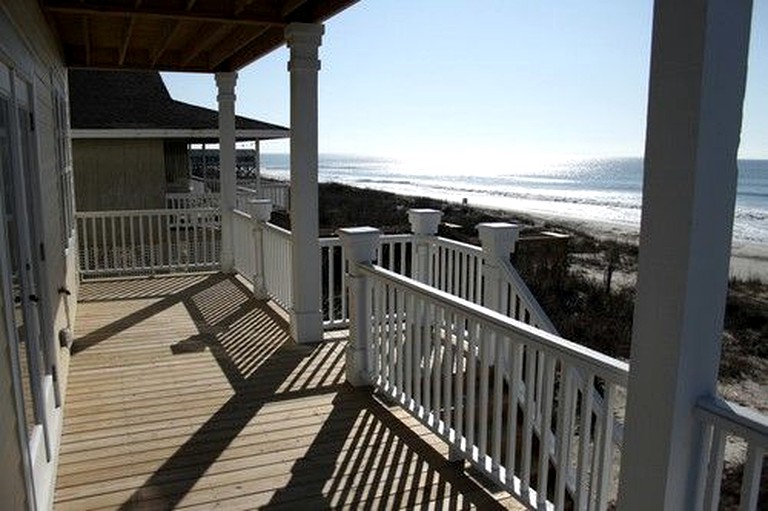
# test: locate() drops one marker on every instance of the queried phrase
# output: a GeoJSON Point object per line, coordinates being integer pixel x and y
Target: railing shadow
{"type": "Point", "coordinates": [362, 456]}
{"type": "Point", "coordinates": [251, 344]}
{"type": "Point", "coordinates": [382, 463]}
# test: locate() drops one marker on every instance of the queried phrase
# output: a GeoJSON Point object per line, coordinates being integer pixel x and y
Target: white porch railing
{"type": "Point", "coordinates": [277, 265]}
{"type": "Point", "coordinates": [395, 252]}
{"type": "Point", "coordinates": [191, 200]}
{"type": "Point", "coordinates": [245, 245]}
{"type": "Point", "coordinates": [148, 241]}
{"type": "Point", "coordinates": [486, 383]}
{"type": "Point", "coordinates": [723, 420]}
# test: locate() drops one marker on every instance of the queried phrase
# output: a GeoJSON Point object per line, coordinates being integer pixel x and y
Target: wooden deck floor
{"type": "Point", "coordinates": [184, 392]}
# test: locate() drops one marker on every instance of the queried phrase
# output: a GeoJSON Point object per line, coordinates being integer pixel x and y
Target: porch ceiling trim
{"type": "Point", "coordinates": [175, 133]}
{"type": "Point", "coordinates": [181, 35]}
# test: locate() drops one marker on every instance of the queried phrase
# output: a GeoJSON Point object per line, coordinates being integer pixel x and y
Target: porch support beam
{"type": "Point", "coordinates": [698, 73]}
{"type": "Point", "coordinates": [227, 179]}
{"type": "Point", "coordinates": [306, 319]}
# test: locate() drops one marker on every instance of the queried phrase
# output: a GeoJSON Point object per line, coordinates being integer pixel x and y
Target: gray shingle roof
{"type": "Point", "coordinates": [138, 100]}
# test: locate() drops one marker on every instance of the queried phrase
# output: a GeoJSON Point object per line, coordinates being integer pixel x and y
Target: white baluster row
{"type": "Point", "coordinates": [277, 265]}
{"type": "Point", "coordinates": [490, 386]}
{"type": "Point", "coordinates": [148, 241]}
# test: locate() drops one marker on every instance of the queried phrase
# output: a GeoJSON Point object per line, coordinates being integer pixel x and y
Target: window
{"type": "Point", "coordinates": [64, 167]}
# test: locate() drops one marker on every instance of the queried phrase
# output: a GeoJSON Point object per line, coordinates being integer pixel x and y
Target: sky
{"type": "Point", "coordinates": [466, 81]}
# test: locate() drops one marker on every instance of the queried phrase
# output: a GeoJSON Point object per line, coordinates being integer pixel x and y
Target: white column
{"type": "Point", "coordinates": [260, 211]}
{"type": "Point", "coordinates": [257, 165]}
{"type": "Point", "coordinates": [306, 318]}
{"type": "Point", "coordinates": [424, 224]}
{"type": "Point", "coordinates": [360, 244]}
{"type": "Point", "coordinates": [698, 70]}
{"type": "Point", "coordinates": [226, 98]}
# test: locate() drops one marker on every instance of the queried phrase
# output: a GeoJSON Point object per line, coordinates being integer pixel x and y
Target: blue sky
{"type": "Point", "coordinates": [456, 81]}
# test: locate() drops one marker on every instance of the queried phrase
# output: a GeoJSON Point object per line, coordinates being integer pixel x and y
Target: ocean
{"type": "Point", "coordinates": [606, 191]}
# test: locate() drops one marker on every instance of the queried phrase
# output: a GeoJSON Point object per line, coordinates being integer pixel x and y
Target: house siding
{"type": "Point", "coordinates": [117, 174]}
{"type": "Point", "coordinates": [29, 48]}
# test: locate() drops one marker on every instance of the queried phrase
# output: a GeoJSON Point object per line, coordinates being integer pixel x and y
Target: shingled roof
{"type": "Point", "coordinates": [120, 100]}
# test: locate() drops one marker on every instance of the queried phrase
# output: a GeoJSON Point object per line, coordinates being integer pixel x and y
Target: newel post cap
{"type": "Point", "coordinates": [260, 209]}
{"type": "Point", "coordinates": [361, 243]}
{"type": "Point", "coordinates": [424, 221]}
{"type": "Point", "coordinates": [498, 237]}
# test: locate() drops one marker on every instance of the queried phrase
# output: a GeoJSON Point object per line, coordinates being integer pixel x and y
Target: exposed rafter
{"type": "Point", "coordinates": [204, 42]}
{"type": "Point", "coordinates": [130, 23]}
{"type": "Point", "coordinates": [87, 40]}
{"type": "Point", "coordinates": [170, 33]}
{"type": "Point", "coordinates": [217, 57]}
{"type": "Point", "coordinates": [220, 15]}
{"type": "Point", "coordinates": [176, 35]}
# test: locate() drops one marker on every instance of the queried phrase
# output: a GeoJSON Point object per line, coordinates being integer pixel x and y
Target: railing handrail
{"type": "Point", "coordinates": [740, 420]}
{"type": "Point", "coordinates": [511, 275]}
{"type": "Point", "coordinates": [279, 230]}
{"type": "Point", "coordinates": [180, 195]}
{"type": "Point", "coordinates": [143, 212]}
{"type": "Point", "coordinates": [616, 371]}
{"type": "Point", "coordinates": [460, 245]}
{"type": "Point", "coordinates": [241, 213]}
{"type": "Point", "coordinates": [327, 241]}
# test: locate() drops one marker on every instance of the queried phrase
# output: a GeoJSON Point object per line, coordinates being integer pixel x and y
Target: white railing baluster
{"type": "Point", "coordinates": [750, 484]}
{"type": "Point", "coordinates": [605, 471]}
{"type": "Point", "coordinates": [585, 430]}
{"type": "Point", "coordinates": [486, 341]}
{"type": "Point", "coordinates": [545, 430]}
{"type": "Point", "coordinates": [498, 401]}
{"type": "Point", "coordinates": [566, 403]}
{"type": "Point", "coordinates": [528, 419]}
{"type": "Point", "coordinates": [715, 477]}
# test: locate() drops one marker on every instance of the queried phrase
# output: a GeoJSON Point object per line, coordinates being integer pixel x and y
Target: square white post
{"type": "Point", "coordinates": [498, 240]}
{"type": "Point", "coordinates": [424, 224]}
{"type": "Point", "coordinates": [225, 82]}
{"type": "Point", "coordinates": [360, 244]}
{"type": "Point", "coordinates": [260, 211]}
{"type": "Point", "coordinates": [306, 317]}
{"type": "Point", "coordinates": [698, 74]}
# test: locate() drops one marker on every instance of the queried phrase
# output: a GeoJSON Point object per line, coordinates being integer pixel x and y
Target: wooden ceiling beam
{"type": "Point", "coordinates": [206, 41]}
{"type": "Point", "coordinates": [87, 40]}
{"type": "Point", "coordinates": [130, 22]}
{"type": "Point", "coordinates": [169, 35]}
{"type": "Point", "coordinates": [219, 16]}
{"type": "Point", "coordinates": [270, 40]}
{"type": "Point", "coordinates": [224, 53]}
{"type": "Point", "coordinates": [290, 6]}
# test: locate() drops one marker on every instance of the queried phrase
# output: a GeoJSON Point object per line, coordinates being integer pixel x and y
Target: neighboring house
{"type": "Point", "coordinates": [131, 140]}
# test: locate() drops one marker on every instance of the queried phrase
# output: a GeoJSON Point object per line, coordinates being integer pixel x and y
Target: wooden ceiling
{"type": "Point", "coordinates": [177, 35]}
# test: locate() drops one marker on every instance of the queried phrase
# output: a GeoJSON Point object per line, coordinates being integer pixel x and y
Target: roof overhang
{"type": "Point", "coordinates": [190, 134]}
{"type": "Point", "coordinates": [177, 35]}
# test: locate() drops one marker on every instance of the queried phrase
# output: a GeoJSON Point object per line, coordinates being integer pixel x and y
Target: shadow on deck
{"type": "Point", "coordinates": [186, 392]}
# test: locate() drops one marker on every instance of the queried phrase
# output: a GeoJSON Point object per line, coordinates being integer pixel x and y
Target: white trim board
{"type": "Point", "coordinates": [175, 133]}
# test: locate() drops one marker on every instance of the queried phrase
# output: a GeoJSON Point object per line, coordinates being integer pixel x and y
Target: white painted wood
{"type": "Point", "coordinates": [360, 245]}
{"type": "Point", "coordinates": [698, 71]}
{"type": "Point", "coordinates": [306, 316]}
{"type": "Point", "coordinates": [188, 134]}
{"type": "Point", "coordinates": [225, 82]}
{"type": "Point", "coordinates": [446, 323]}
{"type": "Point", "coordinates": [277, 264]}
{"type": "Point", "coordinates": [424, 224]}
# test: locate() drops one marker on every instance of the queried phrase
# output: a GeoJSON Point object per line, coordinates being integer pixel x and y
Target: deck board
{"type": "Point", "coordinates": [185, 393]}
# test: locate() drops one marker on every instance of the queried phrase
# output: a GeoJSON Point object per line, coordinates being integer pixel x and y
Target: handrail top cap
{"type": "Point", "coordinates": [357, 231]}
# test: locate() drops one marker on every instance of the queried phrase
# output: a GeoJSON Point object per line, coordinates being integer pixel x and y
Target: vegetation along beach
{"type": "Point", "coordinates": [589, 293]}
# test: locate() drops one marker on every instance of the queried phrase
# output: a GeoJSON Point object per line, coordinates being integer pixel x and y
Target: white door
{"type": "Point", "coordinates": [19, 275]}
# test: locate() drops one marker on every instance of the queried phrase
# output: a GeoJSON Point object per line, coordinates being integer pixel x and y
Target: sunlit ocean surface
{"type": "Point", "coordinates": [607, 191]}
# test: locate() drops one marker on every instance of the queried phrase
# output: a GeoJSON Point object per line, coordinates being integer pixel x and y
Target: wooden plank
{"type": "Point", "coordinates": [250, 420]}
